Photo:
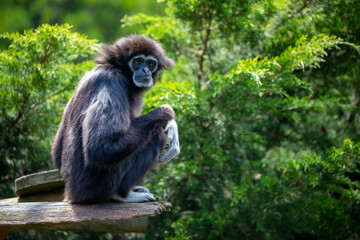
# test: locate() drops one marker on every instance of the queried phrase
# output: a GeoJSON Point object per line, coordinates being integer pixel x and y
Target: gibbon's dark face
{"type": "Point", "coordinates": [143, 68]}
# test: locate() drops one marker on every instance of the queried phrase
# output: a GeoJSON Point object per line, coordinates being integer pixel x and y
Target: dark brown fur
{"type": "Point", "coordinates": [124, 48]}
{"type": "Point", "coordinates": [103, 147]}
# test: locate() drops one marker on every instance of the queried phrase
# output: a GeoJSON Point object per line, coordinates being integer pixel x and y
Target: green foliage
{"type": "Point", "coordinates": [296, 197]}
{"type": "Point", "coordinates": [162, 28]}
{"type": "Point", "coordinates": [39, 71]}
{"type": "Point", "coordinates": [308, 198]}
{"type": "Point", "coordinates": [259, 97]}
{"type": "Point", "coordinates": [95, 18]}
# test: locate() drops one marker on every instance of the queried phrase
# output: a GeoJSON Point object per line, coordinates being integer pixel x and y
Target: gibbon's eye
{"type": "Point", "coordinates": [136, 62]}
{"type": "Point", "coordinates": [152, 64]}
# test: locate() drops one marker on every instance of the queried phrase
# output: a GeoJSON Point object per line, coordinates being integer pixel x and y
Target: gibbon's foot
{"type": "Point", "coordinates": [172, 146]}
{"type": "Point", "coordinates": [135, 197]}
{"type": "Point", "coordinates": [140, 189]}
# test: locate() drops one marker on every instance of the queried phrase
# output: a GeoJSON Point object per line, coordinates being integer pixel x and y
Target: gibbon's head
{"type": "Point", "coordinates": [139, 58]}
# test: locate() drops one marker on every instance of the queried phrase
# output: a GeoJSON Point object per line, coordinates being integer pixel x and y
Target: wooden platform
{"type": "Point", "coordinates": [39, 206]}
{"type": "Point", "coordinates": [113, 217]}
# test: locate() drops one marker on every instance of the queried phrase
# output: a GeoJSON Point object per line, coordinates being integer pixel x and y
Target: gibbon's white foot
{"type": "Point", "coordinates": [140, 189]}
{"type": "Point", "coordinates": [172, 146]}
{"type": "Point", "coordinates": [135, 197]}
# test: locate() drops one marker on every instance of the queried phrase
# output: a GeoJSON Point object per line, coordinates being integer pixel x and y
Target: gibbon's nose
{"type": "Point", "coordinates": [146, 71]}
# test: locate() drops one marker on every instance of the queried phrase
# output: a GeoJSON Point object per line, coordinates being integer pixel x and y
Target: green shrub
{"type": "Point", "coordinates": [253, 79]}
{"type": "Point", "coordinates": [38, 73]}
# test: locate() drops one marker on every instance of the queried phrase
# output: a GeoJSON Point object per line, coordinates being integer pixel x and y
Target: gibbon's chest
{"type": "Point", "coordinates": [136, 106]}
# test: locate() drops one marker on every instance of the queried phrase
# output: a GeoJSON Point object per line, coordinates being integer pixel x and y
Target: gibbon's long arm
{"type": "Point", "coordinates": [108, 133]}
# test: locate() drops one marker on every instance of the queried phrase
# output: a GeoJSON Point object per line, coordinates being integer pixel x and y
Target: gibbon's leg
{"type": "Point", "coordinates": [172, 147]}
{"type": "Point", "coordinates": [128, 191]}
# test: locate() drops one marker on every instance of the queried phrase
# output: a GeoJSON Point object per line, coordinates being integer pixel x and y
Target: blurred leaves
{"type": "Point", "coordinates": [38, 72]}
{"type": "Point", "coordinates": [255, 97]}
{"type": "Point", "coordinates": [319, 186]}
{"type": "Point", "coordinates": [95, 18]}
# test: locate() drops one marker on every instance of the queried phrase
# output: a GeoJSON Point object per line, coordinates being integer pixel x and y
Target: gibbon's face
{"type": "Point", "coordinates": [143, 68]}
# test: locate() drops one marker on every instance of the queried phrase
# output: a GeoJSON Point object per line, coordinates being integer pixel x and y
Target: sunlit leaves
{"type": "Point", "coordinates": [307, 54]}
{"type": "Point", "coordinates": [168, 30]}
{"type": "Point", "coordinates": [37, 74]}
{"type": "Point", "coordinates": [257, 114]}
{"type": "Point", "coordinates": [36, 63]}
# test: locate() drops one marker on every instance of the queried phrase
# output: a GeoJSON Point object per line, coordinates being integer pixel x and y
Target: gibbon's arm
{"type": "Point", "coordinates": [57, 146]}
{"type": "Point", "coordinates": [109, 135]}
{"type": "Point", "coordinates": [56, 149]}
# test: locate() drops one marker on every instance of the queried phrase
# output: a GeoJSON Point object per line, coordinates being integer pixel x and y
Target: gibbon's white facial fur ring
{"type": "Point", "coordinates": [142, 76]}
{"type": "Point", "coordinates": [145, 59]}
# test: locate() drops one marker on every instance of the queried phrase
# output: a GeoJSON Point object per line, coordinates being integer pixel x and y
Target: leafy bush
{"type": "Point", "coordinates": [306, 198]}
{"type": "Point", "coordinates": [249, 84]}
{"type": "Point", "coordinates": [39, 71]}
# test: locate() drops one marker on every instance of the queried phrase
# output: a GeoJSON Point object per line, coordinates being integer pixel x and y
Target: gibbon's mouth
{"type": "Point", "coordinates": [143, 79]}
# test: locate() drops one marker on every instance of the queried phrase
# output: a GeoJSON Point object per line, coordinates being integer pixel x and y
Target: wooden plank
{"type": "Point", "coordinates": [133, 225]}
{"type": "Point", "coordinates": [55, 195]}
{"type": "Point", "coordinates": [4, 232]}
{"type": "Point", "coordinates": [65, 216]}
{"type": "Point", "coordinates": [9, 200]}
{"type": "Point", "coordinates": [39, 182]}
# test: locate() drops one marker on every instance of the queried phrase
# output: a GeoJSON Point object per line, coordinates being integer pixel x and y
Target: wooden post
{"type": "Point", "coordinates": [4, 232]}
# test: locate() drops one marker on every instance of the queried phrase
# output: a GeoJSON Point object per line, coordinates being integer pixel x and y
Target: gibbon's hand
{"type": "Point", "coordinates": [172, 146]}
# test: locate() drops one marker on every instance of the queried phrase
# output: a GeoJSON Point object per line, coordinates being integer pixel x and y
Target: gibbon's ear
{"type": "Point", "coordinates": [168, 63]}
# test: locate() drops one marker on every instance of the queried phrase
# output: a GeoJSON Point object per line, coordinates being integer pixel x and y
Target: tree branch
{"type": "Point", "coordinates": [23, 110]}
{"type": "Point", "coordinates": [45, 56]}
{"type": "Point", "coordinates": [46, 98]}
{"type": "Point", "coordinates": [205, 41]}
